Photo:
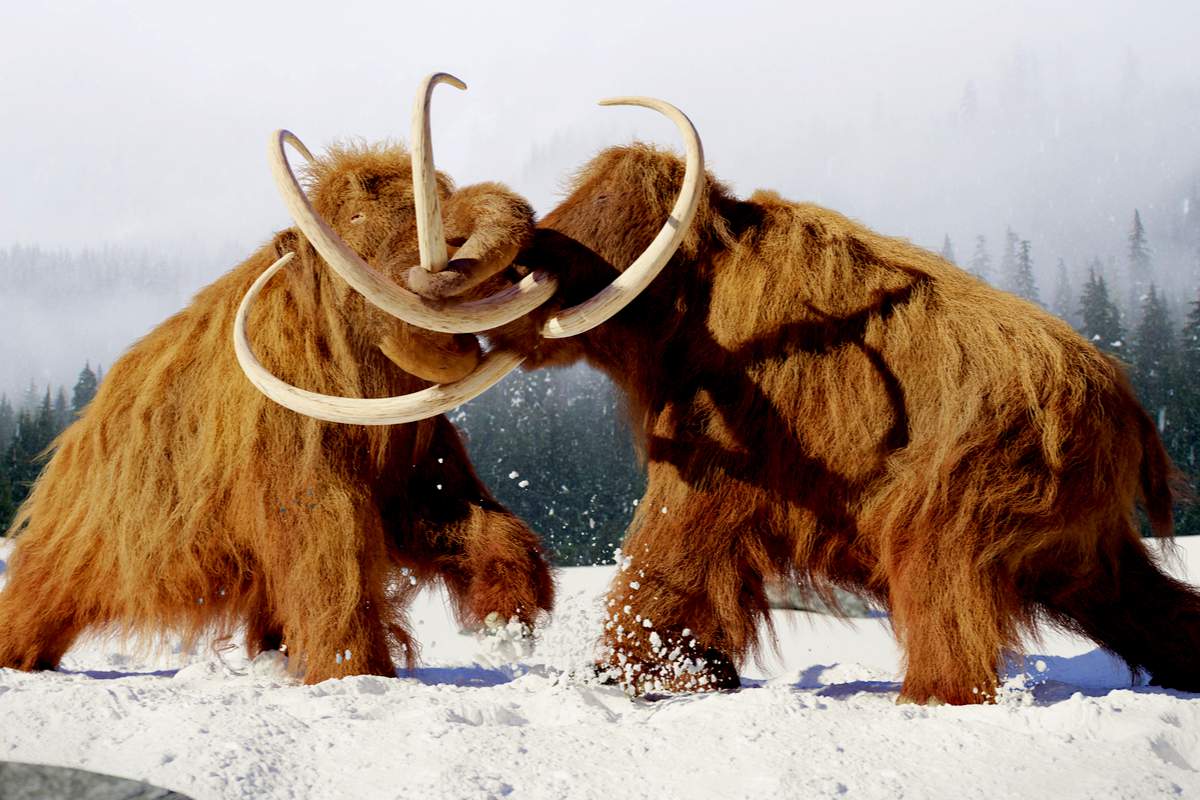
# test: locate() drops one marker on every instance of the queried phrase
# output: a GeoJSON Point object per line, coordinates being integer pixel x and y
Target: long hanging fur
{"type": "Point", "coordinates": [183, 501]}
{"type": "Point", "coordinates": [821, 402]}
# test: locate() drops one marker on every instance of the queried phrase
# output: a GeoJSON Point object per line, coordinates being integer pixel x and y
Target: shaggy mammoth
{"type": "Point", "coordinates": [820, 402]}
{"type": "Point", "coordinates": [183, 500]}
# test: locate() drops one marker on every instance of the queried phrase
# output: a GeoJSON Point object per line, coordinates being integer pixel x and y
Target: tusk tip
{"type": "Point", "coordinates": [447, 78]}
{"type": "Point", "coordinates": [626, 101]}
{"type": "Point", "coordinates": [283, 136]}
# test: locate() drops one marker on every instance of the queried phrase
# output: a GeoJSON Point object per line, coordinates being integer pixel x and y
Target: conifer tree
{"type": "Point", "coordinates": [8, 426]}
{"type": "Point", "coordinates": [30, 398]}
{"type": "Point", "coordinates": [1062, 292]}
{"type": "Point", "coordinates": [1152, 354]}
{"type": "Point", "coordinates": [85, 389]}
{"type": "Point", "coordinates": [1023, 283]}
{"type": "Point", "coordinates": [981, 262]}
{"type": "Point", "coordinates": [1188, 387]}
{"type": "Point", "coordinates": [948, 250]}
{"type": "Point", "coordinates": [8, 422]}
{"type": "Point", "coordinates": [1008, 261]}
{"type": "Point", "coordinates": [62, 412]}
{"type": "Point", "coordinates": [1101, 319]}
{"type": "Point", "coordinates": [8, 506]}
{"type": "Point", "coordinates": [44, 428]}
{"type": "Point", "coordinates": [20, 459]}
{"type": "Point", "coordinates": [1140, 268]}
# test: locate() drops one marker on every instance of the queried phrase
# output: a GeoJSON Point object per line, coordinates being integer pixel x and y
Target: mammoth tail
{"type": "Point", "coordinates": [1161, 481]}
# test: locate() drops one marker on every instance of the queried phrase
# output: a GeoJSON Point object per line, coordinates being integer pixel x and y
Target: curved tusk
{"type": "Point", "coordinates": [354, 410]}
{"type": "Point", "coordinates": [469, 317]}
{"type": "Point", "coordinates": [640, 273]}
{"type": "Point", "coordinates": [431, 237]}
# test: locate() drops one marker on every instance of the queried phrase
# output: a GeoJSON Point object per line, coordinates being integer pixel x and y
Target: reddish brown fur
{"type": "Point", "coordinates": [825, 403]}
{"type": "Point", "coordinates": [185, 501]}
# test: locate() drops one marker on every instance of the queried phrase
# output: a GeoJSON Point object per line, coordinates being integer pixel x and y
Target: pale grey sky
{"type": "Point", "coordinates": [145, 123]}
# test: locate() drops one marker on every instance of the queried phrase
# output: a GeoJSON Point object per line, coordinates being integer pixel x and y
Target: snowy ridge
{"type": "Point", "coordinates": [818, 720]}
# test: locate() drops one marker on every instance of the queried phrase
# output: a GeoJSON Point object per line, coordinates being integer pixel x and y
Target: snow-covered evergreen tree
{"type": "Point", "coordinates": [8, 422]}
{"type": "Point", "coordinates": [62, 412]}
{"type": "Point", "coordinates": [85, 389]}
{"type": "Point", "coordinates": [1100, 317]}
{"type": "Point", "coordinates": [1188, 388]}
{"type": "Point", "coordinates": [1008, 261]}
{"type": "Point", "coordinates": [1141, 273]}
{"type": "Point", "coordinates": [1153, 355]}
{"type": "Point", "coordinates": [1063, 300]}
{"type": "Point", "coordinates": [981, 263]}
{"type": "Point", "coordinates": [948, 250]}
{"type": "Point", "coordinates": [1023, 283]}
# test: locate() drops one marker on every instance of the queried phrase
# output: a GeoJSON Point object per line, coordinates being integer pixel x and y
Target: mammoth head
{"type": "Point", "coordinates": [444, 283]}
{"type": "Point", "coordinates": [365, 194]}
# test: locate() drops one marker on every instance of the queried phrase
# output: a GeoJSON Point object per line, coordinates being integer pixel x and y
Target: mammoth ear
{"type": "Point", "coordinates": [431, 356]}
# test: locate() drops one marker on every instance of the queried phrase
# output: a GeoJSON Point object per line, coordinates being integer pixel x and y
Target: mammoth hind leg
{"type": "Point", "coordinates": [35, 630]}
{"type": "Point", "coordinates": [1128, 606]}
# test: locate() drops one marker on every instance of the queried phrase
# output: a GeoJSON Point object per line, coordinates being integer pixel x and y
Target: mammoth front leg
{"type": "Point", "coordinates": [493, 565]}
{"type": "Point", "coordinates": [685, 605]}
{"type": "Point", "coordinates": [500, 573]}
{"type": "Point", "coordinates": [325, 587]}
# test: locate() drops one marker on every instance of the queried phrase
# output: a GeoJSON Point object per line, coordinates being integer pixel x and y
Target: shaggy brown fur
{"type": "Point", "coordinates": [821, 402]}
{"type": "Point", "coordinates": [185, 501]}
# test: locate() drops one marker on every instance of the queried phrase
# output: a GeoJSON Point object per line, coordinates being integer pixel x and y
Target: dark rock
{"type": "Point", "coordinates": [41, 782]}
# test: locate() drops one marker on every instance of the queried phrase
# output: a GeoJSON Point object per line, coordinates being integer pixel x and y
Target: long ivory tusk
{"type": "Point", "coordinates": [361, 411]}
{"type": "Point", "coordinates": [610, 300]}
{"type": "Point", "coordinates": [466, 317]}
{"type": "Point", "coordinates": [431, 236]}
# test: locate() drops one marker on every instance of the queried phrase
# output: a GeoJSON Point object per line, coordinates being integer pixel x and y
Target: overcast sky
{"type": "Point", "coordinates": [146, 123]}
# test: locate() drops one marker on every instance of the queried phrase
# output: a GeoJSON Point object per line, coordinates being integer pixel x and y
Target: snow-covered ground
{"type": "Point", "coordinates": [817, 720]}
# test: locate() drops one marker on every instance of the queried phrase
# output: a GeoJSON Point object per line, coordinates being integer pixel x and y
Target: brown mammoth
{"type": "Point", "coordinates": [820, 402]}
{"type": "Point", "coordinates": [184, 501]}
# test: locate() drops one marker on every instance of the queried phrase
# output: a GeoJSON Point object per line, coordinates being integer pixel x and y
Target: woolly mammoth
{"type": "Point", "coordinates": [820, 402]}
{"type": "Point", "coordinates": [183, 500]}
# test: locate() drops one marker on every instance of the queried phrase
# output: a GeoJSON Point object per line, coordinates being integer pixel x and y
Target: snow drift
{"type": "Point", "coordinates": [817, 719]}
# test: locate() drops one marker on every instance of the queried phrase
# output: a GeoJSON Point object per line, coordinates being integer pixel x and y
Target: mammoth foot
{"type": "Point", "coordinates": [711, 671]}
{"type": "Point", "coordinates": [904, 700]}
{"type": "Point", "coordinates": [1180, 683]}
{"type": "Point", "coordinates": [946, 695]}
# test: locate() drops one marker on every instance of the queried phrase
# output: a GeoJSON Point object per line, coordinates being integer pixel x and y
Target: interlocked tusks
{"type": "Point", "coordinates": [451, 317]}
{"type": "Point", "coordinates": [462, 317]}
{"type": "Point", "coordinates": [361, 411]}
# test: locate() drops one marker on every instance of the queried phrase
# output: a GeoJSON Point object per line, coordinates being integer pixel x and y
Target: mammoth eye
{"type": "Point", "coordinates": [358, 219]}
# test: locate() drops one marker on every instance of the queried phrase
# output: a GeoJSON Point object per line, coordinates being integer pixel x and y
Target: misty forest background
{"type": "Point", "coordinates": [554, 445]}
